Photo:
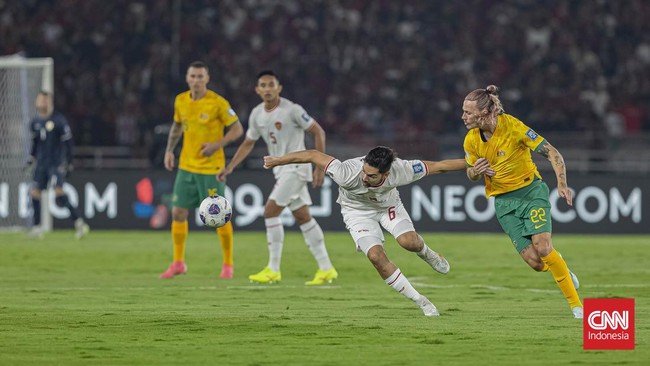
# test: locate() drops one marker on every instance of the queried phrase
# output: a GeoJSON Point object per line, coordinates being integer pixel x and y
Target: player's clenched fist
{"type": "Point", "coordinates": [270, 162]}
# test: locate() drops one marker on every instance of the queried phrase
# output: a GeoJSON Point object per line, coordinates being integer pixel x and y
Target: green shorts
{"type": "Point", "coordinates": [191, 188]}
{"type": "Point", "coordinates": [524, 212]}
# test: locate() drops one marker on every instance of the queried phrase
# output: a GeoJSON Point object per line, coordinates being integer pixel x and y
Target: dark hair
{"type": "Point", "coordinates": [487, 98]}
{"type": "Point", "coordinates": [200, 65]}
{"type": "Point", "coordinates": [381, 157]}
{"type": "Point", "coordinates": [265, 73]}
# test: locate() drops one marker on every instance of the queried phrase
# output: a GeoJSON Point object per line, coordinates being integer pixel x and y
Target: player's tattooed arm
{"type": "Point", "coordinates": [559, 167]}
{"type": "Point", "coordinates": [175, 134]}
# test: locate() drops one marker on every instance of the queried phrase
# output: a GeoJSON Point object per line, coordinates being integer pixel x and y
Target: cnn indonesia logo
{"type": "Point", "coordinates": [608, 324]}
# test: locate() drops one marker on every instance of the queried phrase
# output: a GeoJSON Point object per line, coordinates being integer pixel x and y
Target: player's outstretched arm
{"type": "Point", "coordinates": [557, 162]}
{"type": "Point", "coordinates": [319, 144]}
{"type": "Point", "coordinates": [443, 166]}
{"type": "Point", "coordinates": [306, 156]}
{"type": "Point", "coordinates": [242, 152]}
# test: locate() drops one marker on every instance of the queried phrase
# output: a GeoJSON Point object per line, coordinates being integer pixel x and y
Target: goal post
{"type": "Point", "coordinates": [21, 79]}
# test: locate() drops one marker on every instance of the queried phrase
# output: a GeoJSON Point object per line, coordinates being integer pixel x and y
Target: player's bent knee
{"type": "Point", "coordinates": [410, 241]}
{"type": "Point", "coordinates": [272, 209]}
{"type": "Point", "coordinates": [376, 255]}
{"type": "Point", "coordinates": [366, 243]}
{"type": "Point", "coordinates": [179, 214]}
{"type": "Point", "coordinates": [302, 215]}
{"type": "Point", "coordinates": [543, 246]}
{"type": "Point", "coordinates": [536, 265]}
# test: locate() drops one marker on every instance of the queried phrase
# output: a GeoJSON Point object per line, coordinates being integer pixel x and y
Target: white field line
{"type": "Point", "coordinates": [419, 282]}
{"type": "Point", "coordinates": [189, 288]}
{"type": "Point", "coordinates": [415, 281]}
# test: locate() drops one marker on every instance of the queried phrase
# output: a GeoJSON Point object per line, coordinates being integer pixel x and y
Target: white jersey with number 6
{"type": "Point", "coordinates": [283, 130]}
{"type": "Point", "coordinates": [353, 194]}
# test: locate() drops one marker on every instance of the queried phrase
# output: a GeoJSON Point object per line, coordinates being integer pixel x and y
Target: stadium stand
{"type": "Point", "coordinates": [370, 71]}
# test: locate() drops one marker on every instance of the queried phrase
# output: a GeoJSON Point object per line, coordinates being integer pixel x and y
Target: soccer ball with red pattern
{"type": "Point", "coordinates": [215, 211]}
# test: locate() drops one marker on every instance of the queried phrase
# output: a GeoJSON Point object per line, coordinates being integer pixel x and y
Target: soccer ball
{"type": "Point", "coordinates": [215, 211]}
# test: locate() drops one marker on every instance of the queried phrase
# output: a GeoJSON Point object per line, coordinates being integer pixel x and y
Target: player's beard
{"type": "Point", "coordinates": [470, 125]}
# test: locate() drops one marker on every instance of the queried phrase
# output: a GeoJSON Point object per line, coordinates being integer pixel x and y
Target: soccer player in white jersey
{"type": "Point", "coordinates": [369, 201]}
{"type": "Point", "coordinates": [282, 125]}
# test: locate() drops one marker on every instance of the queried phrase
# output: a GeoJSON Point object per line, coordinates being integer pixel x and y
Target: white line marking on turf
{"type": "Point", "coordinates": [420, 284]}
{"type": "Point", "coordinates": [190, 288]}
{"type": "Point", "coordinates": [639, 285]}
{"type": "Point", "coordinates": [415, 282]}
{"type": "Point", "coordinates": [495, 288]}
{"type": "Point", "coordinates": [326, 287]}
{"type": "Point", "coordinates": [259, 287]}
{"type": "Point", "coordinates": [539, 290]}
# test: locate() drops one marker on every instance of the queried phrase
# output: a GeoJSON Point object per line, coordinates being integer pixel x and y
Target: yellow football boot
{"type": "Point", "coordinates": [267, 275]}
{"type": "Point", "coordinates": [323, 277]}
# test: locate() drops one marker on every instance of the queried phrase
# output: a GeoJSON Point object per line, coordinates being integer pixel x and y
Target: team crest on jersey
{"type": "Point", "coordinates": [49, 125]}
{"type": "Point", "coordinates": [306, 117]}
{"type": "Point", "coordinates": [502, 153]}
{"type": "Point", "coordinates": [418, 168]}
{"type": "Point", "coordinates": [278, 125]}
{"type": "Point", "coordinates": [231, 112]}
{"type": "Point", "coordinates": [531, 134]}
{"type": "Point", "coordinates": [203, 116]}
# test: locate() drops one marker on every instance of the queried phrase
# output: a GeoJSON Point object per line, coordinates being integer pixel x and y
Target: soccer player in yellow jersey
{"type": "Point", "coordinates": [497, 147]}
{"type": "Point", "coordinates": [207, 123]}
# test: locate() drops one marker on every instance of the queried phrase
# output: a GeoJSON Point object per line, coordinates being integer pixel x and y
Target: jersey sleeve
{"type": "Point", "coordinates": [302, 118]}
{"type": "Point", "coordinates": [177, 112]}
{"type": "Point", "coordinates": [404, 172]}
{"type": "Point", "coordinates": [252, 133]}
{"type": "Point", "coordinates": [66, 139]}
{"type": "Point", "coordinates": [343, 173]}
{"type": "Point", "coordinates": [470, 152]}
{"type": "Point", "coordinates": [34, 138]}
{"type": "Point", "coordinates": [227, 114]}
{"type": "Point", "coordinates": [66, 132]}
{"type": "Point", "coordinates": [528, 136]}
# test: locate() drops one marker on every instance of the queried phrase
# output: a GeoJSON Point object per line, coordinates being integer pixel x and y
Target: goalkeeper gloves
{"type": "Point", "coordinates": [66, 169]}
{"type": "Point", "coordinates": [29, 166]}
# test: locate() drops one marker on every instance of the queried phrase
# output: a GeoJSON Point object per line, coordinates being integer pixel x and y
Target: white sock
{"type": "Point", "coordinates": [315, 240]}
{"type": "Point", "coordinates": [402, 285]}
{"type": "Point", "coordinates": [423, 253]}
{"type": "Point", "coordinates": [275, 238]}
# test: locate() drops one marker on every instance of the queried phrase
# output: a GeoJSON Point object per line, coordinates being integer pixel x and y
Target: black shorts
{"type": "Point", "coordinates": [43, 175]}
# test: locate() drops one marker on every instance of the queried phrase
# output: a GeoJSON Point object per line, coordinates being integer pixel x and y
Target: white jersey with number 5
{"type": "Point", "coordinates": [283, 130]}
{"type": "Point", "coordinates": [353, 194]}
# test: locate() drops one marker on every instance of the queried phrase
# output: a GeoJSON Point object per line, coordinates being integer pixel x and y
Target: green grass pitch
{"type": "Point", "coordinates": [99, 301]}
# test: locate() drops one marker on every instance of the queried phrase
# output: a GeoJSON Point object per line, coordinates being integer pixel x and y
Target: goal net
{"type": "Point", "coordinates": [20, 81]}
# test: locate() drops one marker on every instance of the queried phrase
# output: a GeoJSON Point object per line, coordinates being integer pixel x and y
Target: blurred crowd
{"type": "Point", "coordinates": [372, 70]}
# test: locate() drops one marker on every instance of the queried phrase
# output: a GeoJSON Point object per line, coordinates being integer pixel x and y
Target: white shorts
{"type": "Point", "coordinates": [290, 191]}
{"type": "Point", "coordinates": [365, 226]}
